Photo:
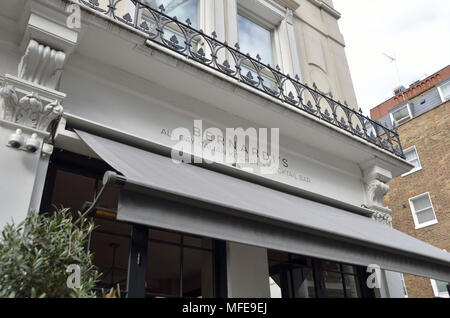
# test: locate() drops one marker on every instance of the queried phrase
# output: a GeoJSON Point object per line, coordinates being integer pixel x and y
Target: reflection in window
{"type": "Point", "coordinates": [334, 285]}
{"type": "Point", "coordinates": [352, 288]}
{"type": "Point", "coordinates": [303, 282]}
{"type": "Point", "coordinates": [291, 276]}
{"type": "Point", "coordinates": [179, 265]}
{"type": "Point", "coordinates": [182, 9]}
{"type": "Point", "coordinates": [341, 281]}
{"type": "Point", "coordinates": [163, 269]}
{"type": "Point", "coordinates": [255, 39]}
{"type": "Point", "coordinates": [294, 276]}
{"type": "Point", "coordinates": [81, 188]}
{"type": "Point", "coordinates": [275, 288]}
{"type": "Point", "coordinates": [197, 273]}
{"type": "Point", "coordinates": [110, 244]}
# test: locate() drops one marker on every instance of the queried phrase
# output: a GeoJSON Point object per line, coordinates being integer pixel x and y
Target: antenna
{"type": "Point", "coordinates": [393, 59]}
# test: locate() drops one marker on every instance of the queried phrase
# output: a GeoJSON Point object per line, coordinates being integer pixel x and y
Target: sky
{"type": "Point", "coordinates": [415, 32]}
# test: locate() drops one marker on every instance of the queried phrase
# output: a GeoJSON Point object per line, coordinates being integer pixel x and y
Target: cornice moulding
{"type": "Point", "coordinates": [42, 65]}
{"type": "Point", "coordinates": [290, 4]}
{"type": "Point", "coordinates": [330, 10]}
{"type": "Point", "coordinates": [50, 33]}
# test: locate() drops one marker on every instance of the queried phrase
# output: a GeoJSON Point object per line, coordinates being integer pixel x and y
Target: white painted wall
{"type": "Point", "coordinates": [321, 50]}
{"type": "Point", "coordinates": [247, 271]}
{"type": "Point", "coordinates": [393, 285]}
{"type": "Point", "coordinates": [18, 171]}
{"type": "Point", "coordinates": [147, 110]}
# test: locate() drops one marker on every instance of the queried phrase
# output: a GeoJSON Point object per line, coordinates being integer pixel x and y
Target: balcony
{"type": "Point", "coordinates": [184, 40]}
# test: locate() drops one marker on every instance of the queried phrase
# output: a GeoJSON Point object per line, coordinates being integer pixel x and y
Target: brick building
{"type": "Point", "coordinates": [420, 199]}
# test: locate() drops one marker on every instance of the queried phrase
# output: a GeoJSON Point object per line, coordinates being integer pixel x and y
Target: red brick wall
{"type": "Point", "coordinates": [430, 133]}
{"type": "Point", "coordinates": [383, 109]}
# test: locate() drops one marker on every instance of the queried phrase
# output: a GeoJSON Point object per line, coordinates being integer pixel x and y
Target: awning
{"type": "Point", "coordinates": [186, 198]}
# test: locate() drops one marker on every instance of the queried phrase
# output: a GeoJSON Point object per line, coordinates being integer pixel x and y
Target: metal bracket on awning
{"type": "Point", "coordinates": [113, 178]}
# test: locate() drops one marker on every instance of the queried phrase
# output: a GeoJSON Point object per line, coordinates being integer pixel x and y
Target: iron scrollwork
{"type": "Point", "coordinates": [183, 38]}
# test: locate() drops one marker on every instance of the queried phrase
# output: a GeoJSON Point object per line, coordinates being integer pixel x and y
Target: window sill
{"type": "Point", "coordinates": [411, 172]}
{"type": "Point", "coordinates": [418, 227]}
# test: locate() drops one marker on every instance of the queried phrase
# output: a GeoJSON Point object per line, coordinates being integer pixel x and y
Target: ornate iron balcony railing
{"type": "Point", "coordinates": [193, 44]}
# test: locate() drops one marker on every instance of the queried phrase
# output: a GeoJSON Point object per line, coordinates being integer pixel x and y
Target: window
{"type": "Point", "coordinates": [110, 244]}
{"type": "Point", "coordinates": [423, 211]}
{"type": "Point", "coordinates": [444, 91]}
{"type": "Point", "coordinates": [182, 9]}
{"type": "Point", "coordinates": [401, 114]}
{"type": "Point", "coordinates": [440, 289]}
{"type": "Point", "coordinates": [179, 265]}
{"type": "Point", "coordinates": [341, 281]}
{"type": "Point", "coordinates": [295, 276]}
{"type": "Point", "coordinates": [255, 39]}
{"type": "Point", "coordinates": [290, 276]}
{"type": "Point", "coordinates": [412, 156]}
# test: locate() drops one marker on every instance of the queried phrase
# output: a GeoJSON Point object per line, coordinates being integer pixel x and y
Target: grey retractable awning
{"type": "Point", "coordinates": [187, 198]}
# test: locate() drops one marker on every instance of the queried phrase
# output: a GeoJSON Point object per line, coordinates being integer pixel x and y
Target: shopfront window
{"type": "Point", "coordinates": [110, 244]}
{"type": "Point", "coordinates": [341, 280]}
{"type": "Point", "coordinates": [179, 266]}
{"type": "Point", "coordinates": [291, 276]}
{"type": "Point", "coordinates": [294, 276]}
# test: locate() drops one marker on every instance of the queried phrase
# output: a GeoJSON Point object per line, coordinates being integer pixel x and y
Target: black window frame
{"type": "Point", "coordinates": [318, 271]}
{"type": "Point", "coordinates": [94, 168]}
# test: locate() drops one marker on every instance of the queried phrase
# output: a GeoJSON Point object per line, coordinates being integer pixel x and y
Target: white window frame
{"type": "Point", "coordinates": [275, 16]}
{"type": "Point", "coordinates": [252, 17]}
{"type": "Point", "coordinates": [436, 290]}
{"type": "Point", "coordinates": [441, 93]}
{"type": "Point", "coordinates": [416, 168]}
{"type": "Point", "coordinates": [413, 211]}
{"type": "Point", "coordinates": [199, 11]}
{"type": "Point", "coordinates": [391, 115]}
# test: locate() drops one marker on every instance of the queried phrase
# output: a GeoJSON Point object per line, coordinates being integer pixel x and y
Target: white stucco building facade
{"type": "Point", "coordinates": [106, 92]}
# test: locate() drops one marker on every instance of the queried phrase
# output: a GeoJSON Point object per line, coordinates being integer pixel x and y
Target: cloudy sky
{"type": "Point", "coordinates": [416, 32]}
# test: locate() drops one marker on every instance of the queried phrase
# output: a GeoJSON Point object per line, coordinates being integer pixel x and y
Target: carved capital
{"type": "Point", "coordinates": [27, 107]}
{"type": "Point", "coordinates": [41, 65]}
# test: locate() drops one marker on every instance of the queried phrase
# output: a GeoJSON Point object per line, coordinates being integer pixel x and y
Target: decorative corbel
{"type": "Point", "coordinates": [376, 190]}
{"type": "Point", "coordinates": [41, 65]}
{"type": "Point", "coordinates": [375, 180]}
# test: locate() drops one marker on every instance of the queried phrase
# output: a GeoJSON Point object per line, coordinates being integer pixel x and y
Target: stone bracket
{"type": "Point", "coordinates": [41, 65]}
{"type": "Point", "coordinates": [375, 183]}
